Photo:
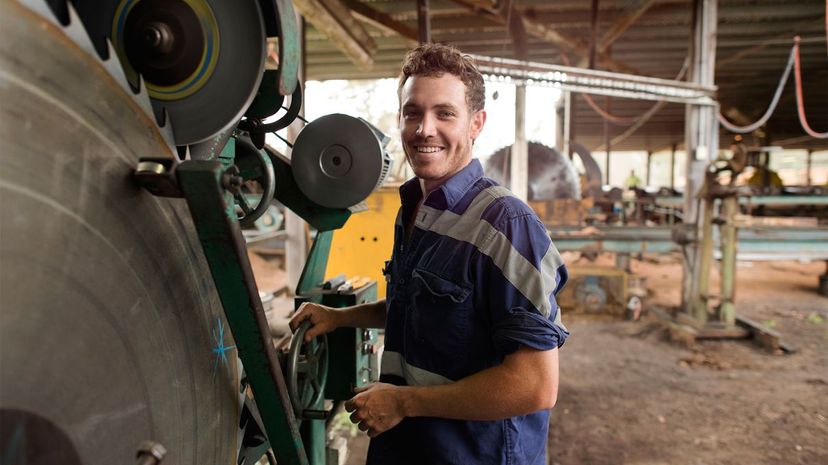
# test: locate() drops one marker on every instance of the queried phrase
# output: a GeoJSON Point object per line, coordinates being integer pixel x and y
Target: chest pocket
{"type": "Point", "coordinates": [442, 315]}
{"type": "Point", "coordinates": [437, 288]}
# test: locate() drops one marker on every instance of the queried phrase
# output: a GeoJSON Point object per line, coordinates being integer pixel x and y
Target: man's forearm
{"type": "Point", "coordinates": [367, 315]}
{"type": "Point", "coordinates": [526, 382]}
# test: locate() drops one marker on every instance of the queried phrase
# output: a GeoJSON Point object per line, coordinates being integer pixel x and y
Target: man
{"type": "Point", "coordinates": [472, 329]}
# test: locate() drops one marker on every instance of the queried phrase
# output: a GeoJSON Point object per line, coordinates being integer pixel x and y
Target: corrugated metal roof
{"type": "Point", "coordinates": [753, 41]}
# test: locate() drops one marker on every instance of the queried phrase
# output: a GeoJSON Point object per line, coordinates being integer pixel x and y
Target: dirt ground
{"type": "Point", "coordinates": [628, 396]}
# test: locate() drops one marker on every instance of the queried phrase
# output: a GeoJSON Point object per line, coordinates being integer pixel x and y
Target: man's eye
{"type": "Point", "coordinates": [410, 114]}
{"type": "Point", "coordinates": [446, 114]}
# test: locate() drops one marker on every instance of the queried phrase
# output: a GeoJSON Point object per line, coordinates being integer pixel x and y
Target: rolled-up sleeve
{"type": "Point", "coordinates": [519, 273]}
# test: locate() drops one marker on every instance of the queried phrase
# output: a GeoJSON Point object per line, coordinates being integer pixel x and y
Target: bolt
{"type": "Point", "coordinates": [159, 37]}
{"type": "Point", "coordinates": [150, 453]}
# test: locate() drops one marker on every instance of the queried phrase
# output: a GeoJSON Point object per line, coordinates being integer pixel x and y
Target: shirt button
{"type": "Point", "coordinates": [401, 281]}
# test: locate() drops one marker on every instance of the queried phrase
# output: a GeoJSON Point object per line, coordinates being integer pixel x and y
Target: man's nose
{"type": "Point", "coordinates": [426, 127]}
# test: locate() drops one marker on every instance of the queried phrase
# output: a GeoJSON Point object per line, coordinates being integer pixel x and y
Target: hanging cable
{"type": "Point", "coordinates": [642, 120]}
{"type": "Point", "coordinates": [771, 108]}
{"type": "Point", "coordinates": [628, 120]}
{"type": "Point", "coordinates": [800, 101]}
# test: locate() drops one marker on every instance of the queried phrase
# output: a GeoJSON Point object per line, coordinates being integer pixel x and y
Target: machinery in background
{"type": "Point", "coordinates": [116, 343]}
{"type": "Point", "coordinates": [555, 193]}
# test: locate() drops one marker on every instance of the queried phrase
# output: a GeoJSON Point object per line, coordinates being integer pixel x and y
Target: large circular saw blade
{"type": "Point", "coordinates": [111, 333]}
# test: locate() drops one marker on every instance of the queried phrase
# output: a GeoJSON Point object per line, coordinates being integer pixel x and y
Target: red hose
{"type": "Point", "coordinates": [800, 101]}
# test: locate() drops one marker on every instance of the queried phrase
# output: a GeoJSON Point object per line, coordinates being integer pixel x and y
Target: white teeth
{"type": "Point", "coordinates": [428, 149]}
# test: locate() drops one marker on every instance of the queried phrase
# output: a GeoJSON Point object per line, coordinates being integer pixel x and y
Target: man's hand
{"type": "Point", "coordinates": [324, 319]}
{"type": "Point", "coordinates": [377, 408]}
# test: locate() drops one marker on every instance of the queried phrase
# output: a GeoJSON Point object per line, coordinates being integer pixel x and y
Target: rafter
{"type": "Point", "coordinates": [381, 20]}
{"type": "Point", "coordinates": [542, 31]}
{"type": "Point", "coordinates": [622, 25]}
{"type": "Point", "coordinates": [334, 19]}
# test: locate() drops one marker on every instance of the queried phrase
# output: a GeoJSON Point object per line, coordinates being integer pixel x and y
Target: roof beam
{"type": "Point", "coordinates": [334, 19]}
{"type": "Point", "coordinates": [540, 30]}
{"type": "Point", "coordinates": [381, 20]}
{"type": "Point", "coordinates": [622, 25]}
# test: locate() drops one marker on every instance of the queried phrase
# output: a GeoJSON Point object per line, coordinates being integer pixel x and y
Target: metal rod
{"type": "Point", "coordinates": [283, 139]}
{"type": "Point", "coordinates": [572, 72]}
{"type": "Point", "coordinates": [299, 117]}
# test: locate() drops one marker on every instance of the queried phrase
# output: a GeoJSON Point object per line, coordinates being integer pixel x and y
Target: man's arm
{"type": "Point", "coordinates": [526, 381]}
{"type": "Point", "coordinates": [326, 319]}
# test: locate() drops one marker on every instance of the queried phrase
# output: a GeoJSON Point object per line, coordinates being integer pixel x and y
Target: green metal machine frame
{"type": "Point", "coordinates": [209, 187]}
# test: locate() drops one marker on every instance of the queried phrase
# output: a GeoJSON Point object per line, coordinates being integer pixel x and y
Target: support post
{"type": "Point", "coordinates": [649, 167]}
{"type": "Point", "coordinates": [567, 123]}
{"type": "Point", "coordinates": [727, 311]}
{"type": "Point", "coordinates": [808, 163]}
{"type": "Point", "coordinates": [423, 22]}
{"type": "Point", "coordinates": [701, 137]}
{"type": "Point", "coordinates": [673, 166]}
{"type": "Point", "coordinates": [701, 279]}
{"type": "Point", "coordinates": [520, 157]}
{"type": "Point", "coordinates": [561, 144]}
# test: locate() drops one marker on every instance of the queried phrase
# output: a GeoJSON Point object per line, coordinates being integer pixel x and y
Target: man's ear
{"type": "Point", "coordinates": [477, 122]}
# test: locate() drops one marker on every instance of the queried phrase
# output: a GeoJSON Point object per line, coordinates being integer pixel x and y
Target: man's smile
{"type": "Point", "coordinates": [428, 148]}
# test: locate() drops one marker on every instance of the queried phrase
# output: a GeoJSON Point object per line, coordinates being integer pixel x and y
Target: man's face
{"type": "Point", "coordinates": [437, 127]}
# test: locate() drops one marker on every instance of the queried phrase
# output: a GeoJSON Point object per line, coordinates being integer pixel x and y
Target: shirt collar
{"type": "Point", "coordinates": [449, 193]}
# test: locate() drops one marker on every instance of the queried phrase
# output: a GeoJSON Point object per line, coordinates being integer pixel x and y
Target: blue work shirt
{"type": "Point", "coordinates": [476, 279]}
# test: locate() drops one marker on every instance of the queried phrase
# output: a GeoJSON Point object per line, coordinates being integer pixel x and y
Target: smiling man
{"type": "Point", "coordinates": [472, 328]}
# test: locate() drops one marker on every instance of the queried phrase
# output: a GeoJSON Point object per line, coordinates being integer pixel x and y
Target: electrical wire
{"type": "Point", "coordinates": [771, 108]}
{"type": "Point", "coordinates": [800, 101]}
{"type": "Point", "coordinates": [642, 120]}
{"type": "Point", "coordinates": [628, 120]}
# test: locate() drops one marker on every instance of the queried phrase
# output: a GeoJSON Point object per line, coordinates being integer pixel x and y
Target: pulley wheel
{"type": "Point", "coordinates": [337, 160]}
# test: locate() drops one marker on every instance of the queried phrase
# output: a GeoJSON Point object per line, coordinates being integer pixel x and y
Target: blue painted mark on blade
{"type": "Point", "coordinates": [220, 349]}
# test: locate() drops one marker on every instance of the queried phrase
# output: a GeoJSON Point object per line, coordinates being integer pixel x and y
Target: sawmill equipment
{"type": "Point", "coordinates": [131, 328]}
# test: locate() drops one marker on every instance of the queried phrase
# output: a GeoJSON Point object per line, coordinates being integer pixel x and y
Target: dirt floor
{"type": "Point", "coordinates": [628, 396]}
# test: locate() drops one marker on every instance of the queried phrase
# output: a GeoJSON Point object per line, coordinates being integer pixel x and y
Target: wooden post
{"type": "Point", "coordinates": [423, 22]}
{"type": "Point", "coordinates": [701, 139]}
{"type": "Point", "coordinates": [808, 162]}
{"type": "Point", "coordinates": [673, 166]}
{"type": "Point", "coordinates": [727, 236]}
{"type": "Point", "coordinates": [520, 157]}
{"type": "Point", "coordinates": [607, 140]}
{"type": "Point", "coordinates": [649, 167]}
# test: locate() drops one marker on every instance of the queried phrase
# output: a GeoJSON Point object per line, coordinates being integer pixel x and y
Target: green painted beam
{"type": "Point", "coordinates": [212, 209]}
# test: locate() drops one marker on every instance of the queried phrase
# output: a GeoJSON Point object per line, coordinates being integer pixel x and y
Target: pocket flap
{"type": "Point", "coordinates": [441, 287]}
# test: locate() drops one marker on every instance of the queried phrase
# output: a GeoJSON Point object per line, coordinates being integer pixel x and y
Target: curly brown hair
{"type": "Point", "coordinates": [433, 60]}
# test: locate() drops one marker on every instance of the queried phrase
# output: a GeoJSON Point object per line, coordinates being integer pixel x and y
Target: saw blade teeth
{"type": "Point", "coordinates": [142, 98]}
{"type": "Point", "coordinates": [166, 130]}
{"type": "Point", "coordinates": [77, 32]}
{"type": "Point", "coordinates": [115, 69]}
